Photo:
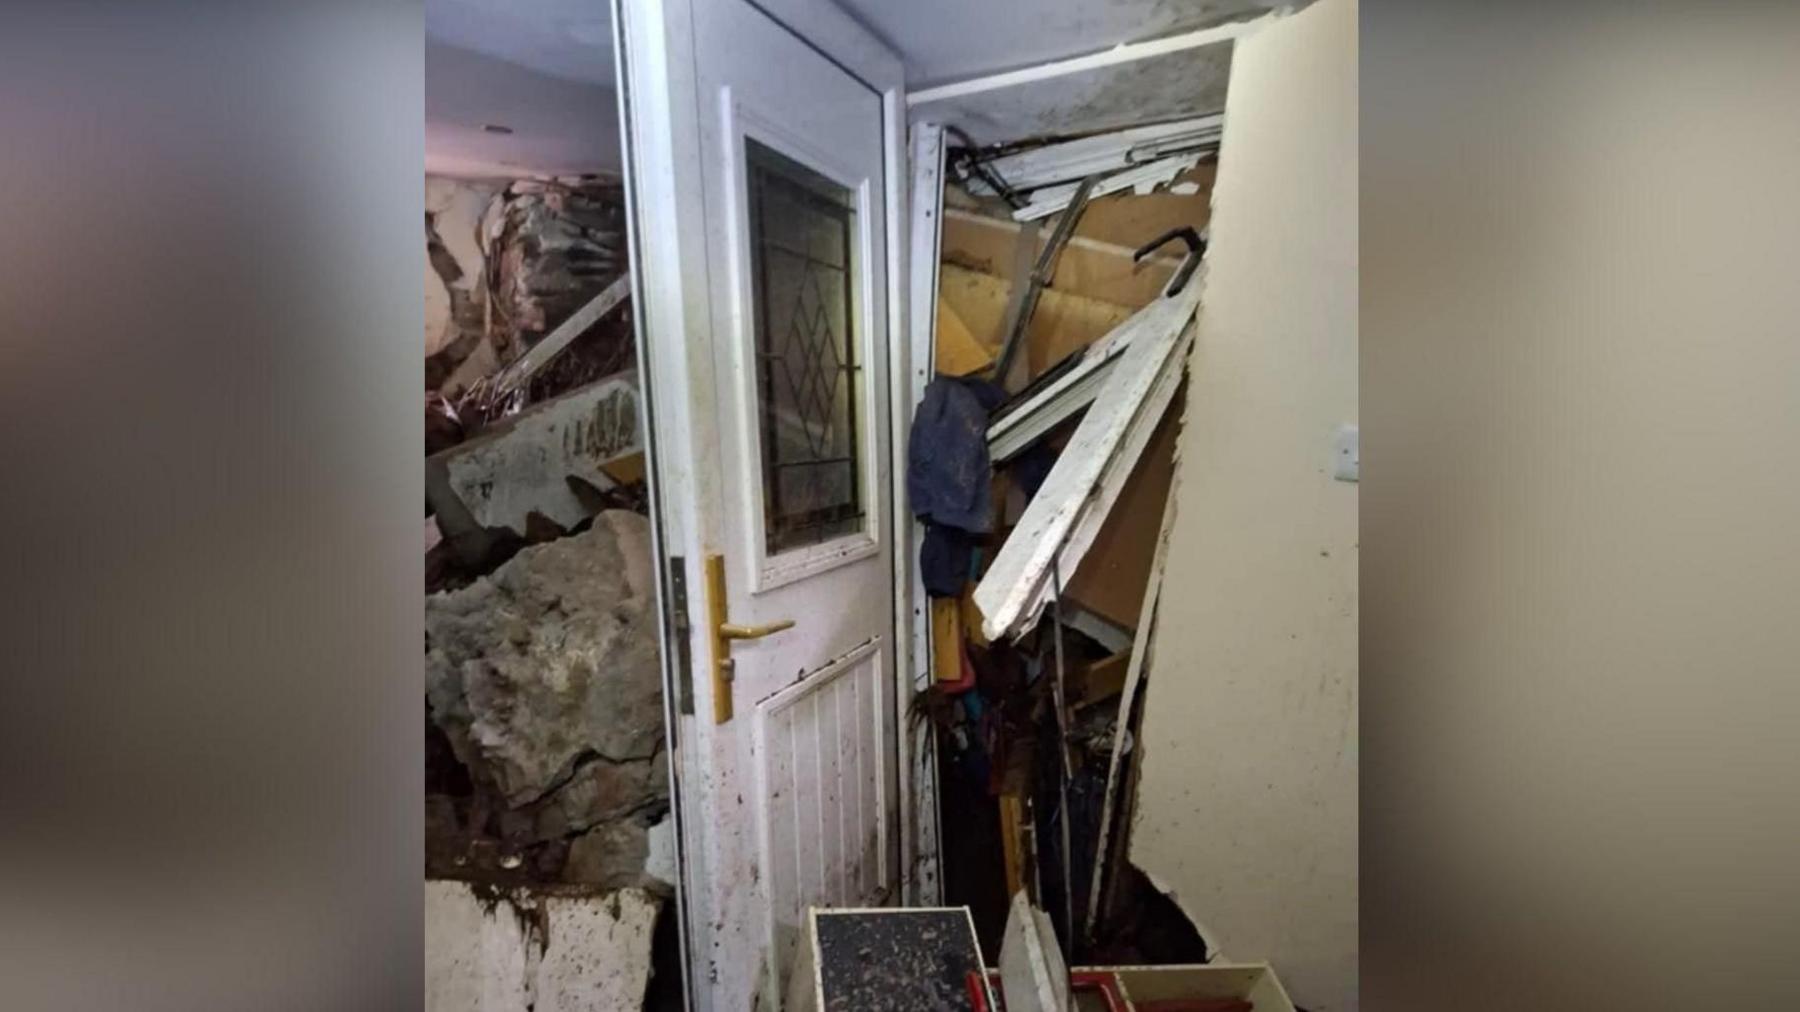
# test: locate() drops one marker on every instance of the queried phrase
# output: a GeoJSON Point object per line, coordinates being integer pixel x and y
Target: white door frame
{"type": "Point", "coordinates": [658, 100]}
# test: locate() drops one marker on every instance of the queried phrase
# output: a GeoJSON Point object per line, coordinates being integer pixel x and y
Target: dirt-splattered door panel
{"type": "Point", "coordinates": [761, 214]}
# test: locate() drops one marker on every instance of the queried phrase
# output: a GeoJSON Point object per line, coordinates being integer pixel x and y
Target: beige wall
{"type": "Point", "coordinates": [1247, 809]}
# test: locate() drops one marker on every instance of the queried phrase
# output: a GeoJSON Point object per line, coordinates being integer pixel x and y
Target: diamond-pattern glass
{"type": "Point", "coordinates": [802, 251]}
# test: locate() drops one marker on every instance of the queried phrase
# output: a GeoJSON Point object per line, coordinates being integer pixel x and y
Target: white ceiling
{"type": "Point", "coordinates": [559, 126]}
{"type": "Point", "coordinates": [1190, 82]}
{"type": "Point", "coordinates": [949, 40]}
{"type": "Point", "coordinates": [545, 69]}
{"type": "Point", "coordinates": [563, 38]}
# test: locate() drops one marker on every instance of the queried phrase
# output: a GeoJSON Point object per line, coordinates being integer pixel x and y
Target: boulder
{"type": "Point", "coordinates": [611, 857]}
{"type": "Point", "coordinates": [544, 675]}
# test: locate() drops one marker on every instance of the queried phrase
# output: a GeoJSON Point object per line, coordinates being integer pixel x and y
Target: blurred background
{"type": "Point", "coordinates": [1580, 598]}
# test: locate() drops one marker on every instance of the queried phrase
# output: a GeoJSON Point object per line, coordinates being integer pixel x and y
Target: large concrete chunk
{"type": "Point", "coordinates": [550, 950]}
{"type": "Point", "coordinates": [546, 671]}
{"type": "Point", "coordinates": [523, 465]}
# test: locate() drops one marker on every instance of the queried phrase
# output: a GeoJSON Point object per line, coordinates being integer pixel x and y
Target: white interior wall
{"type": "Point", "coordinates": [1247, 808]}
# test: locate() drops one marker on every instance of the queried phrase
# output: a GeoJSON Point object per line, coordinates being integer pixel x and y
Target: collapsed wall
{"type": "Point", "coordinates": [506, 265]}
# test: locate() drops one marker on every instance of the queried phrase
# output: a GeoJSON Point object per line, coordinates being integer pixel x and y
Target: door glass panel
{"type": "Point", "coordinates": [803, 262]}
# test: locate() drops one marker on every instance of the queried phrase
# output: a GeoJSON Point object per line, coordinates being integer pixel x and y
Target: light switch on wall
{"type": "Point", "coordinates": [1346, 454]}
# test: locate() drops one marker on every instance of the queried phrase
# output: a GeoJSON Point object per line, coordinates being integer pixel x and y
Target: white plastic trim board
{"type": "Point", "coordinates": [1073, 391]}
{"type": "Point", "coordinates": [1108, 152]}
{"type": "Point", "coordinates": [1063, 518]}
{"type": "Point", "coordinates": [918, 759]}
{"type": "Point", "coordinates": [1141, 180]}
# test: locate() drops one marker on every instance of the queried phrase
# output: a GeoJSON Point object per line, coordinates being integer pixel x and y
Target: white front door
{"type": "Point", "coordinates": [760, 218]}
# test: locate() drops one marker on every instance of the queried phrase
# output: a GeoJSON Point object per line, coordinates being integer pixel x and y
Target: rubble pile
{"type": "Point", "coordinates": [543, 680]}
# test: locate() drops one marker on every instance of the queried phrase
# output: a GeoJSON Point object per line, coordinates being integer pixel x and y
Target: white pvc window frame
{"type": "Point", "coordinates": [769, 571]}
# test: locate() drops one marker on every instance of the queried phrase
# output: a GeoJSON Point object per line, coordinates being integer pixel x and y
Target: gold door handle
{"type": "Point", "coordinates": [723, 632]}
{"type": "Point", "coordinates": [733, 631]}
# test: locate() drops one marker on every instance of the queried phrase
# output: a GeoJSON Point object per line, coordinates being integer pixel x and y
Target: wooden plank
{"type": "Point", "coordinates": [1062, 323]}
{"type": "Point", "coordinates": [946, 639]}
{"type": "Point", "coordinates": [545, 351]}
{"type": "Point", "coordinates": [1129, 220]}
{"type": "Point", "coordinates": [1113, 575]}
{"type": "Point", "coordinates": [959, 351]}
{"type": "Point", "coordinates": [1073, 390]}
{"type": "Point", "coordinates": [1098, 270]}
{"type": "Point", "coordinates": [1012, 847]}
{"type": "Point", "coordinates": [626, 470]}
{"type": "Point", "coordinates": [1101, 680]}
{"type": "Point", "coordinates": [1105, 492]}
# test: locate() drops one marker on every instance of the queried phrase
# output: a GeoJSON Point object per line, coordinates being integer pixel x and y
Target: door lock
{"type": "Point", "coordinates": [723, 632]}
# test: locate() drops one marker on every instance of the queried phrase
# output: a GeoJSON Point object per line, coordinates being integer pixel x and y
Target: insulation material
{"type": "Point", "coordinates": [1247, 807]}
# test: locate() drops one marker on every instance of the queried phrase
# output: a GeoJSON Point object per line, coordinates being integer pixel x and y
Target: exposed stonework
{"type": "Point", "coordinates": [552, 245]}
{"type": "Point", "coordinates": [505, 267]}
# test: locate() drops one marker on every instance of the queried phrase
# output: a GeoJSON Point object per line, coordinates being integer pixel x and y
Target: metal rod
{"type": "Point", "coordinates": [1024, 246]}
{"type": "Point", "coordinates": [541, 354]}
{"type": "Point", "coordinates": [1041, 275]}
{"type": "Point", "coordinates": [1062, 754]}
